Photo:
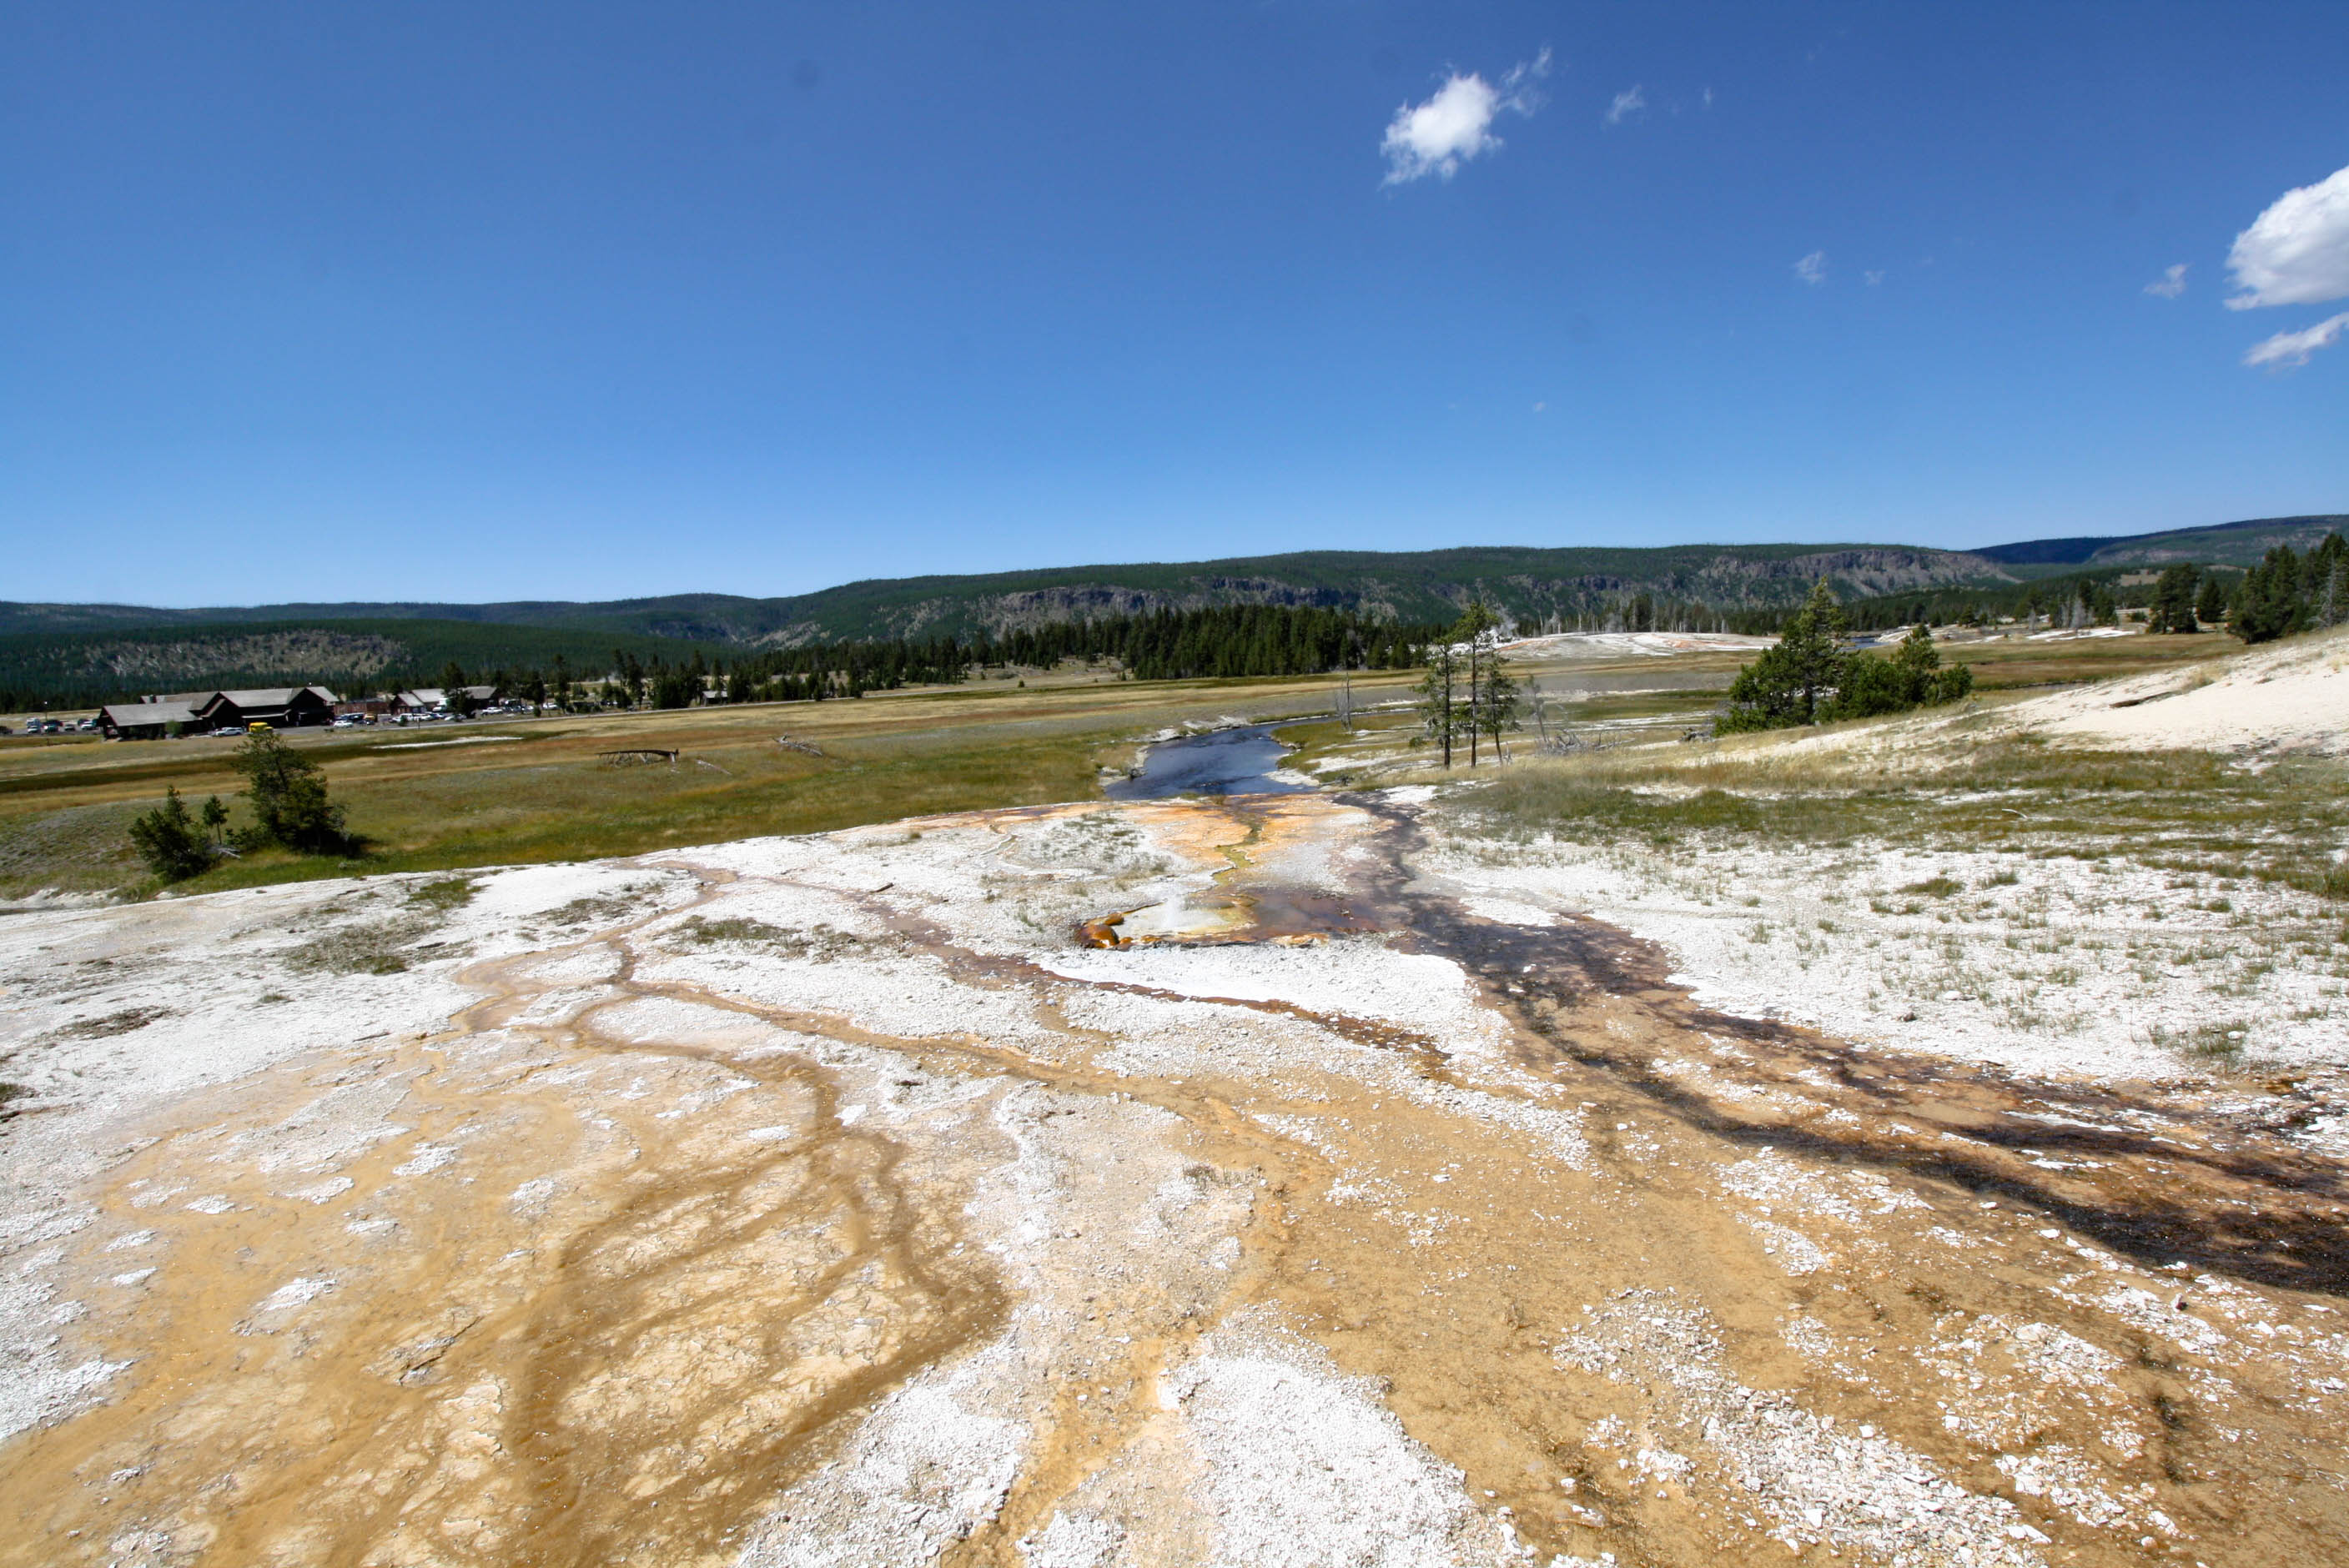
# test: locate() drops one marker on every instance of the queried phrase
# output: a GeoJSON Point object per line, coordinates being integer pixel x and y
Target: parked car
{"type": "Point", "coordinates": [229, 731]}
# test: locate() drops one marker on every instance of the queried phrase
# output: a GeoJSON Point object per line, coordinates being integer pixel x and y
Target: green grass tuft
{"type": "Point", "coordinates": [447, 893]}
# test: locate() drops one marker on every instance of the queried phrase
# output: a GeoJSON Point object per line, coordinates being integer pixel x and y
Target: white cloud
{"type": "Point", "coordinates": [1455, 125]}
{"type": "Point", "coordinates": [2170, 284]}
{"type": "Point", "coordinates": [1813, 268]}
{"type": "Point", "coordinates": [1873, 279]}
{"type": "Point", "coordinates": [1629, 102]}
{"type": "Point", "coordinates": [2297, 251]}
{"type": "Point", "coordinates": [1708, 98]}
{"type": "Point", "coordinates": [2287, 348]}
{"type": "Point", "coordinates": [1519, 82]}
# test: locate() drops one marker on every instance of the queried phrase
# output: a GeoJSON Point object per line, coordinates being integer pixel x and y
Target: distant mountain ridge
{"type": "Point", "coordinates": [1532, 584]}
{"type": "Point", "coordinates": [2220, 544]}
{"type": "Point", "coordinates": [1529, 584]}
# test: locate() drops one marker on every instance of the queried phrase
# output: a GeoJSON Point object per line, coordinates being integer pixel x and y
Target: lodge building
{"type": "Point", "coordinates": [280, 707]}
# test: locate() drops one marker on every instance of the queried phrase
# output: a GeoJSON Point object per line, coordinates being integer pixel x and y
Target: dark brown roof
{"type": "Point", "coordinates": [132, 715]}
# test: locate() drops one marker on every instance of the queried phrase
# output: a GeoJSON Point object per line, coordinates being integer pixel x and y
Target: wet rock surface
{"type": "Point", "coordinates": [876, 1198]}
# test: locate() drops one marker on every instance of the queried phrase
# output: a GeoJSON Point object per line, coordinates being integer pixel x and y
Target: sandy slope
{"type": "Point", "coordinates": [2287, 696]}
{"type": "Point", "coordinates": [828, 1202]}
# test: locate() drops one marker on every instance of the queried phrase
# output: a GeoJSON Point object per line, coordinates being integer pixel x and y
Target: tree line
{"type": "Point", "coordinates": [1220, 641]}
{"type": "Point", "coordinates": [1227, 640]}
{"type": "Point", "coordinates": [2286, 593]}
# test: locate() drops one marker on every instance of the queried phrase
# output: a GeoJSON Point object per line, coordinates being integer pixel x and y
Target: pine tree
{"type": "Point", "coordinates": [1475, 628]}
{"type": "Point", "coordinates": [673, 688]}
{"type": "Point", "coordinates": [2269, 604]}
{"type": "Point", "coordinates": [2328, 582]}
{"type": "Point", "coordinates": [1912, 677]}
{"type": "Point", "coordinates": [1500, 703]}
{"type": "Point", "coordinates": [169, 841]}
{"type": "Point", "coordinates": [2210, 601]}
{"type": "Point", "coordinates": [1785, 685]}
{"type": "Point", "coordinates": [1438, 707]}
{"type": "Point", "coordinates": [288, 796]}
{"type": "Point", "coordinates": [2173, 600]}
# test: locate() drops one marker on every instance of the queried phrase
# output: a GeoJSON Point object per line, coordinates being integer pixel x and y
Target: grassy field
{"type": "Point", "coordinates": [454, 795]}
{"type": "Point", "coordinates": [537, 790]}
{"type": "Point", "coordinates": [2005, 663]}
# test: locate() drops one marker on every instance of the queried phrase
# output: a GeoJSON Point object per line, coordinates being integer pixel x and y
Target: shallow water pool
{"type": "Point", "coordinates": [1220, 762]}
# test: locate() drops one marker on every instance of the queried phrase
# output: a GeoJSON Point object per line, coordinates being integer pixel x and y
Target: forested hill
{"type": "Point", "coordinates": [74, 669]}
{"type": "Point", "coordinates": [2242, 543]}
{"type": "Point", "coordinates": [1573, 585]}
{"type": "Point", "coordinates": [1689, 584]}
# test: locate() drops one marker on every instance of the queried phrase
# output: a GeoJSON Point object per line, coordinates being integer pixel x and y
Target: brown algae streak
{"type": "Point", "coordinates": [664, 1338]}
{"type": "Point", "coordinates": [2160, 1176]}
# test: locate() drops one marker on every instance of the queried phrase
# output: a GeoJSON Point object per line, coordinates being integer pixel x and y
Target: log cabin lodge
{"type": "Point", "coordinates": [280, 707]}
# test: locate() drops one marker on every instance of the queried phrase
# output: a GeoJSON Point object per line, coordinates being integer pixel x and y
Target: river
{"type": "Point", "coordinates": [1220, 762]}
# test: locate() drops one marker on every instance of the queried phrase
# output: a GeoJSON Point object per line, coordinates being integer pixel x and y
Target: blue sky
{"type": "Point", "coordinates": [479, 301]}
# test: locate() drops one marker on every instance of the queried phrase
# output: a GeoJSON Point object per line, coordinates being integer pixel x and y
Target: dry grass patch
{"type": "Point", "coordinates": [386, 946]}
{"type": "Point", "coordinates": [822, 943]}
{"type": "Point", "coordinates": [374, 947]}
{"type": "Point", "coordinates": [124, 1022]}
